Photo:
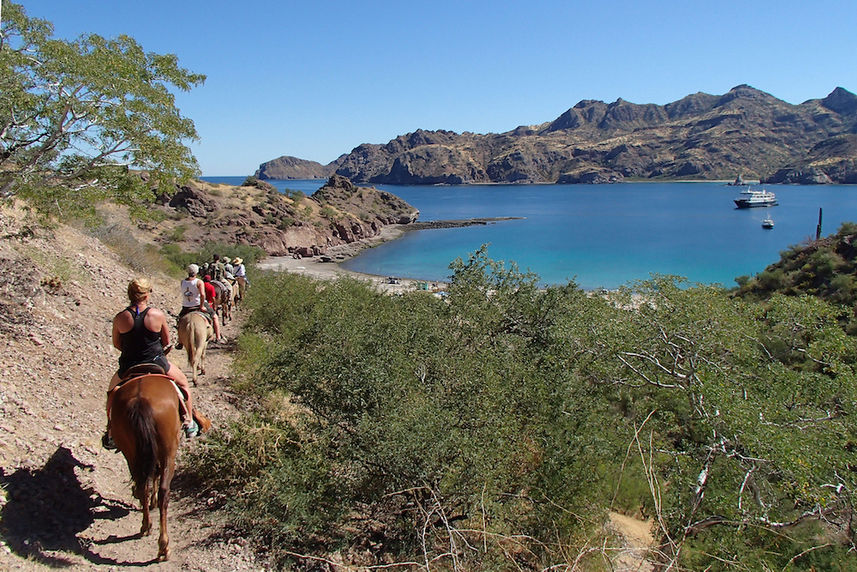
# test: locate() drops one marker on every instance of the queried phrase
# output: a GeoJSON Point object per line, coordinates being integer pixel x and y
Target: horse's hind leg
{"type": "Point", "coordinates": [142, 494]}
{"type": "Point", "coordinates": [163, 505]}
{"type": "Point", "coordinates": [153, 498]}
{"type": "Point", "coordinates": [193, 359]}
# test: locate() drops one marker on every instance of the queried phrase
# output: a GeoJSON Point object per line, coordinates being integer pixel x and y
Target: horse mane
{"type": "Point", "coordinates": [142, 420]}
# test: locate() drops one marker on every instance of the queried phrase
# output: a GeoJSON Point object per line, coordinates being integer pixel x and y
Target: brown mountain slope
{"type": "Point", "coordinates": [701, 136]}
{"type": "Point", "coordinates": [281, 224]}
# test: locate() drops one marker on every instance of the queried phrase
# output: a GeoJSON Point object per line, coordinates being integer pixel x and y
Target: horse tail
{"type": "Point", "coordinates": [190, 345]}
{"type": "Point", "coordinates": [142, 420]}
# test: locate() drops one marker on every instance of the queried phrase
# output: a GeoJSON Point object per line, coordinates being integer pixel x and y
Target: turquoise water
{"type": "Point", "coordinates": [604, 235]}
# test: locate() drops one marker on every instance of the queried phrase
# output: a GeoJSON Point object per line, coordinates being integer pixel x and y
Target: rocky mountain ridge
{"type": "Point", "coordinates": [702, 136]}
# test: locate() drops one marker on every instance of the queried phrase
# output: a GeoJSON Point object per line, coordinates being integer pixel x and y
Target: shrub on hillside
{"type": "Point", "coordinates": [816, 268]}
{"type": "Point", "coordinates": [179, 259]}
{"type": "Point", "coordinates": [502, 424]}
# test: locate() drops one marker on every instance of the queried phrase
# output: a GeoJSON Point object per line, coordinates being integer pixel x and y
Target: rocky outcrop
{"type": "Point", "coordinates": [192, 199]}
{"type": "Point", "coordinates": [367, 205]}
{"type": "Point", "coordinates": [287, 167]}
{"type": "Point", "coordinates": [796, 176]}
{"type": "Point", "coordinates": [701, 136]}
{"type": "Point", "coordinates": [280, 224]}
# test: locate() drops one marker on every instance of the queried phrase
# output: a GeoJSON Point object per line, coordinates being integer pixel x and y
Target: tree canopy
{"type": "Point", "coordinates": [77, 116]}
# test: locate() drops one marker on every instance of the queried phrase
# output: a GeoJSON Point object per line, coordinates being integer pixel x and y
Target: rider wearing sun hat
{"type": "Point", "coordinates": [240, 275]}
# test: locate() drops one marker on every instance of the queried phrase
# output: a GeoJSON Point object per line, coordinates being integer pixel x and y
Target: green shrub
{"type": "Point", "coordinates": [296, 196]}
{"type": "Point", "coordinates": [141, 257]}
{"type": "Point", "coordinates": [503, 417]}
{"type": "Point", "coordinates": [178, 260]}
{"type": "Point", "coordinates": [771, 280]}
{"type": "Point", "coordinates": [847, 228]}
{"type": "Point", "coordinates": [177, 234]}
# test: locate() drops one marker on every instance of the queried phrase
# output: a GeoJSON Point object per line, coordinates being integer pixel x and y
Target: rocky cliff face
{"type": "Point", "coordinates": [338, 213]}
{"type": "Point", "coordinates": [701, 136]}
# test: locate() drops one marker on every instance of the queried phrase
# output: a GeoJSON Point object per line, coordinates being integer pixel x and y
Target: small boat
{"type": "Point", "coordinates": [751, 198]}
{"type": "Point", "coordinates": [768, 223]}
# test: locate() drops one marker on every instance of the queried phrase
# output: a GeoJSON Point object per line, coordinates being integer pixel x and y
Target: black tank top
{"type": "Point", "coordinates": [139, 344]}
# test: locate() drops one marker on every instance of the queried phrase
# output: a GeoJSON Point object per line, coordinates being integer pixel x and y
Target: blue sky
{"type": "Point", "coordinates": [314, 79]}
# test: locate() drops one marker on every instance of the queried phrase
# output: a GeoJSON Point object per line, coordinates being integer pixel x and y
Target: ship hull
{"type": "Point", "coordinates": [746, 204]}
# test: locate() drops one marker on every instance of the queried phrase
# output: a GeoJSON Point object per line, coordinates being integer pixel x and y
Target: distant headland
{"type": "Point", "coordinates": [745, 132]}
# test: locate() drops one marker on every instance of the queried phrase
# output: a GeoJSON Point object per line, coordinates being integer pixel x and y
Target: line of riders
{"type": "Point", "coordinates": [141, 332]}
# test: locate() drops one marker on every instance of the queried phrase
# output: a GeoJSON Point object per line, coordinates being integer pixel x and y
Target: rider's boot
{"type": "Point", "coordinates": [190, 428]}
{"type": "Point", "coordinates": [107, 439]}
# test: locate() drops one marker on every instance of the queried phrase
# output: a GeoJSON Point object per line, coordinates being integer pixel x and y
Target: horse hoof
{"type": "Point", "coordinates": [163, 556]}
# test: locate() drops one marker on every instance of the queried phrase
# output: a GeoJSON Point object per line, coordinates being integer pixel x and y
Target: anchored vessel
{"type": "Point", "coordinates": [751, 198]}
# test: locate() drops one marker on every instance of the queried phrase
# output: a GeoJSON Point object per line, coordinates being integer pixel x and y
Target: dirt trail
{"type": "Point", "coordinates": [66, 502]}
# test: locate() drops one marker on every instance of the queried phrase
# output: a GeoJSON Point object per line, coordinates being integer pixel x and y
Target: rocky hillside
{"type": "Point", "coordinates": [287, 167]}
{"type": "Point", "coordinates": [64, 501]}
{"type": "Point", "coordinates": [702, 136]}
{"type": "Point", "coordinates": [826, 268]}
{"type": "Point", "coordinates": [281, 224]}
{"type": "Point", "coordinates": [833, 160]}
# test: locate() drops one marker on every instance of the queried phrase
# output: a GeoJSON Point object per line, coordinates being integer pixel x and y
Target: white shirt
{"type": "Point", "coordinates": [190, 293]}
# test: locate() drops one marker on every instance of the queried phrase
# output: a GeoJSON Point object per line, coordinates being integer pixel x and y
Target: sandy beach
{"type": "Point", "coordinates": [327, 267]}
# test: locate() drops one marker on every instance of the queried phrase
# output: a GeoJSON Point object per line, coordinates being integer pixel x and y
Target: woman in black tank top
{"type": "Point", "coordinates": [140, 344]}
{"type": "Point", "coordinates": [141, 334]}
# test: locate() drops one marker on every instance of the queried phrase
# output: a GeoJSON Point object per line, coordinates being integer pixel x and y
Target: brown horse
{"type": "Point", "coordinates": [145, 425]}
{"type": "Point", "coordinates": [194, 332]}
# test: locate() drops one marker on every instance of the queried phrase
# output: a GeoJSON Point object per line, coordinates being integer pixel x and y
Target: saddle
{"type": "Point", "coordinates": [144, 369]}
{"type": "Point", "coordinates": [204, 314]}
{"type": "Point", "coordinates": [141, 369]}
{"type": "Point", "coordinates": [223, 285]}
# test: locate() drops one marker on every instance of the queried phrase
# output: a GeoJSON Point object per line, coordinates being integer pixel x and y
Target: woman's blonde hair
{"type": "Point", "coordinates": [138, 288]}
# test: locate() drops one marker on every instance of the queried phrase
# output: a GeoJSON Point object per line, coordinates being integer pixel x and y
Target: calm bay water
{"type": "Point", "coordinates": [603, 235]}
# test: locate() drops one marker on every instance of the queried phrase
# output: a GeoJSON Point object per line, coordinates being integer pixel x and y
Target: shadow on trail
{"type": "Point", "coordinates": [47, 508]}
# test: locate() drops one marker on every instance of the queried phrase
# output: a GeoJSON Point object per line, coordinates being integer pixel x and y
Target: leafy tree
{"type": "Point", "coordinates": [77, 116]}
{"type": "Point", "coordinates": [744, 416]}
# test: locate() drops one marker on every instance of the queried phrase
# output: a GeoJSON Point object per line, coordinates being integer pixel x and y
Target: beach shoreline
{"type": "Point", "coordinates": [327, 266]}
